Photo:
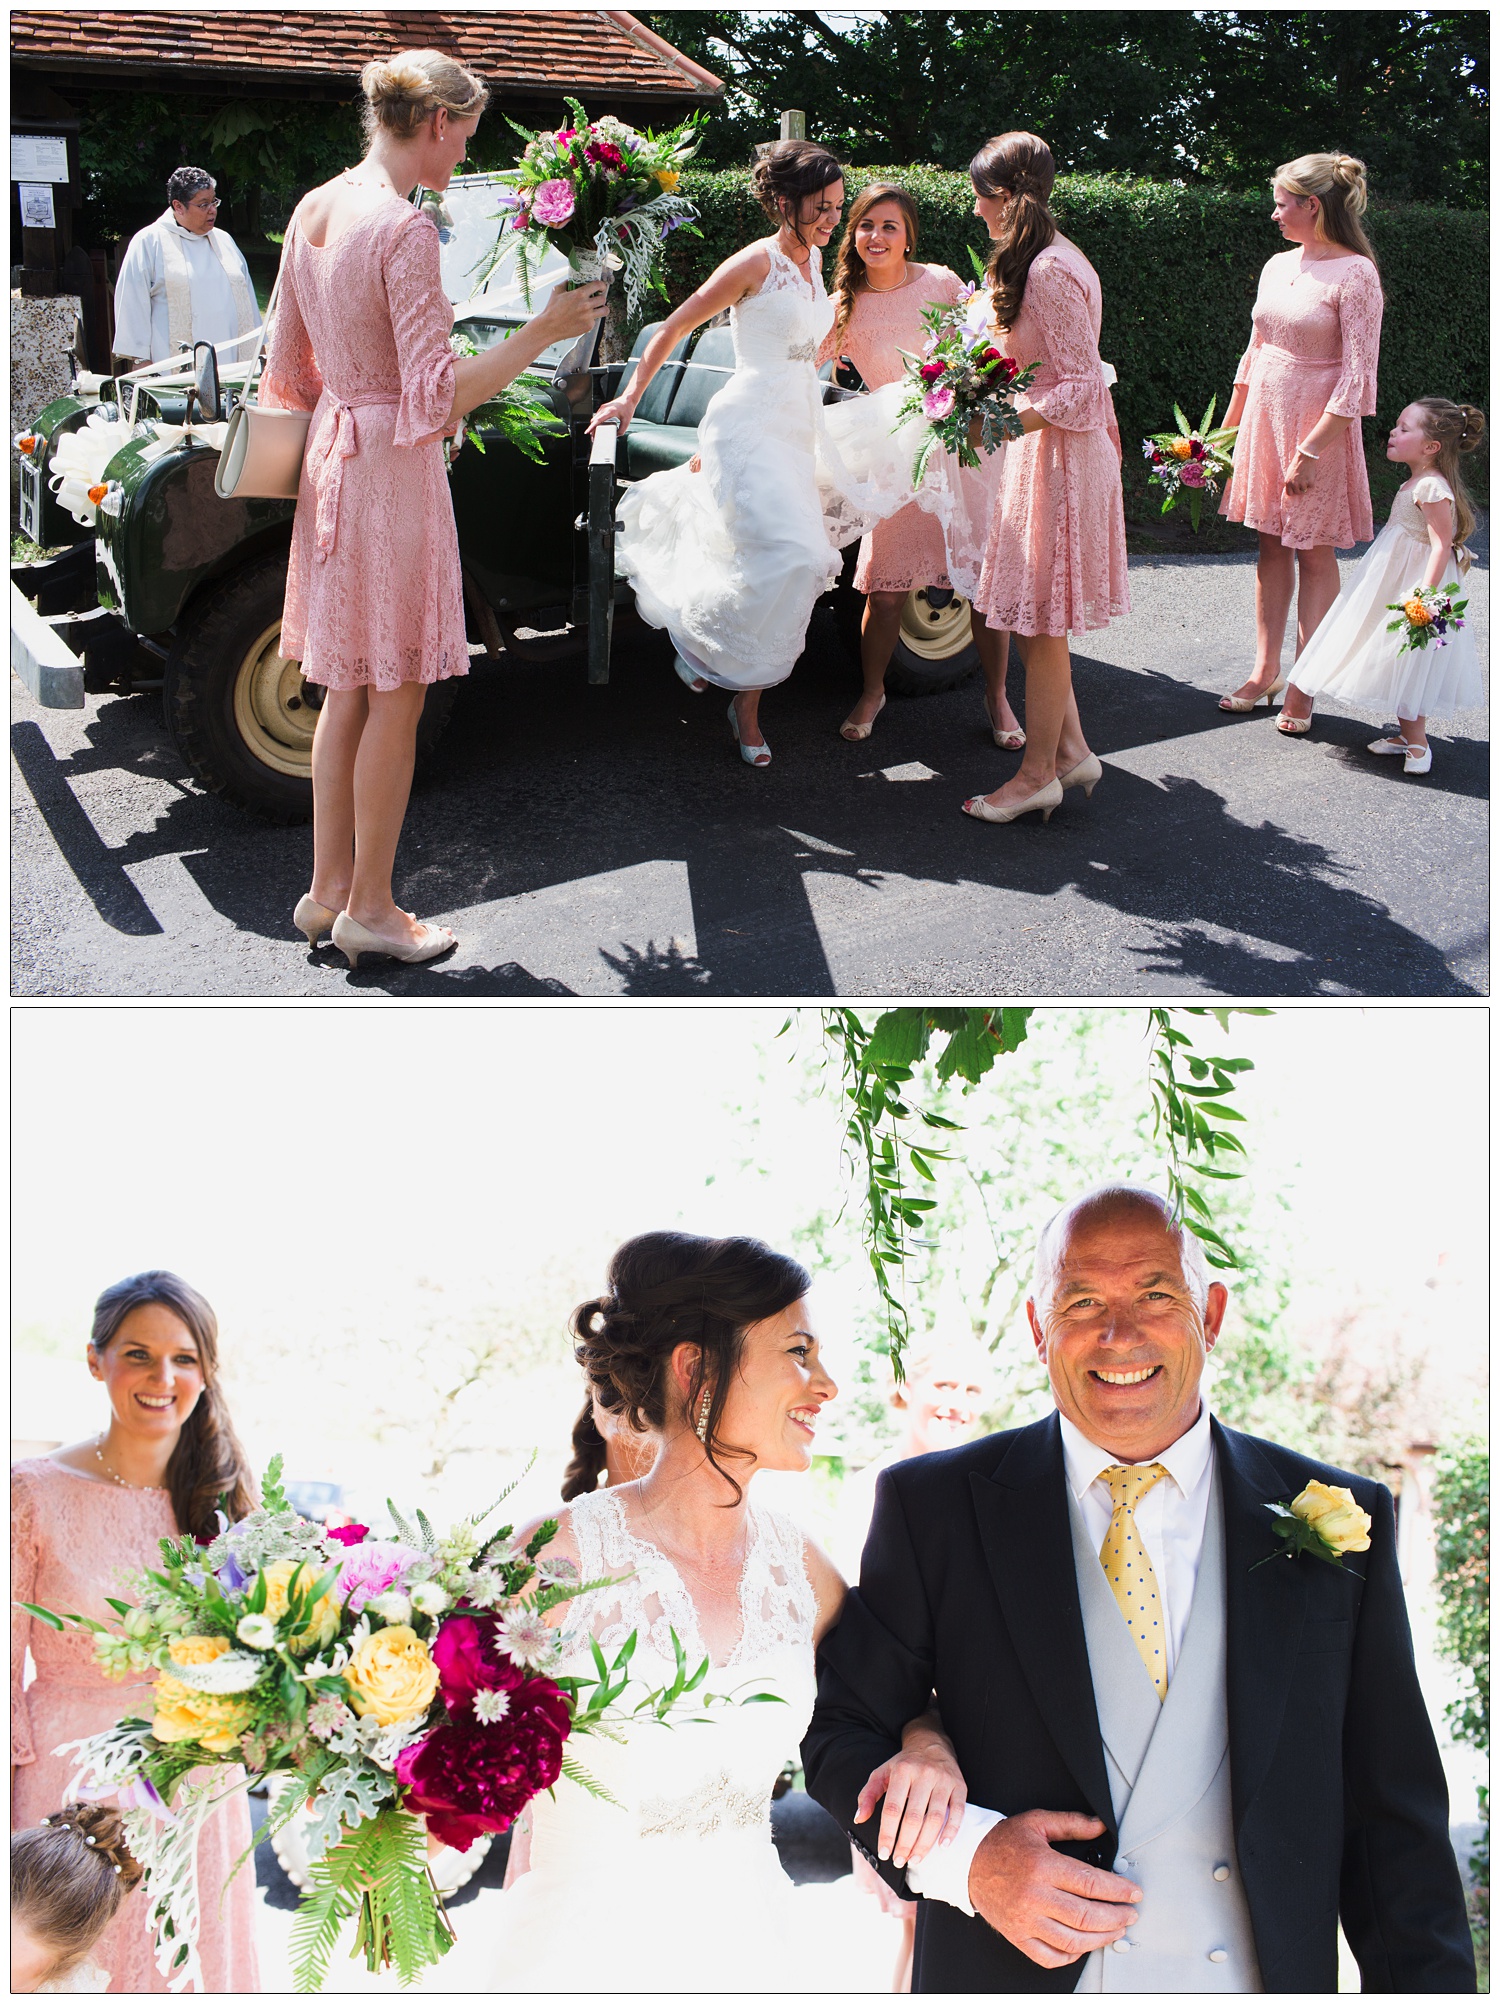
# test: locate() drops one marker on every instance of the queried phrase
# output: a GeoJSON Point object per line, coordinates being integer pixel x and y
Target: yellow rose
{"type": "Point", "coordinates": [322, 1624]}
{"type": "Point", "coordinates": [392, 1676]}
{"type": "Point", "coordinates": [1335, 1516]}
{"type": "Point", "coordinates": [667, 180]}
{"type": "Point", "coordinates": [204, 1717]}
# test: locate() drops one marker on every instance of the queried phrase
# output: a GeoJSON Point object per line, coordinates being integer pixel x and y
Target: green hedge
{"type": "Point", "coordinates": [1179, 267]}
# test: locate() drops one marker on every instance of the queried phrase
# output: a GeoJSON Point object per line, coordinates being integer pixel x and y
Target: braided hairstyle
{"type": "Point", "coordinates": [208, 1461]}
{"type": "Point", "coordinates": [787, 173]}
{"type": "Point", "coordinates": [1020, 165]}
{"type": "Point", "coordinates": [68, 1877]}
{"type": "Point", "coordinates": [667, 1288]}
{"type": "Point", "coordinates": [1458, 429]}
{"type": "Point", "coordinates": [589, 1452]}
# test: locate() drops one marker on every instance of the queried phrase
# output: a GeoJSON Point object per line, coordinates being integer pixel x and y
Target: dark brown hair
{"type": "Point", "coordinates": [1020, 165]}
{"type": "Point", "coordinates": [589, 1452]}
{"type": "Point", "coordinates": [787, 173]}
{"type": "Point", "coordinates": [208, 1461]}
{"type": "Point", "coordinates": [1458, 428]}
{"type": "Point", "coordinates": [850, 274]}
{"type": "Point", "coordinates": [68, 1877]}
{"type": "Point", "coordinates": [667, 1288]}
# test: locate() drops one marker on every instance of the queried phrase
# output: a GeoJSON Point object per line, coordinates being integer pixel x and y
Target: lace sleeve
{"type": "Point", "coordinates": [1361, 305]}
{"type": "Point", "coordinates": [421, 321]}
{"type": "Point", "coordinates": [23, 1570]}
{"type": "Point", "coordinates": [291, 380]}
{"type": "Point", "coordinates": [1078, 400]}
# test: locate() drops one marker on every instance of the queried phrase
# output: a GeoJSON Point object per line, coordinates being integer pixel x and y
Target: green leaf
{"type": "Point", "coordinates": [45, 1615]}
{"type": "Point", "coordinates": [272, 1495]}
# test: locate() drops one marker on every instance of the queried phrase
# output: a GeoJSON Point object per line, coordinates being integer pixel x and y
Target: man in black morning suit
{"type": "Point", "coordinates": [977, 1585]}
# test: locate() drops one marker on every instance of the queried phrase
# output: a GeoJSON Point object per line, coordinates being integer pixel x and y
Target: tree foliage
{"type": "Point", "coordinates": [1219, 95]}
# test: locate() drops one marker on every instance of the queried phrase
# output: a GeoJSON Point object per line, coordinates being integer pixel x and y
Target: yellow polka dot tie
{"type": "Point", "coordinates": [1127, 1567]}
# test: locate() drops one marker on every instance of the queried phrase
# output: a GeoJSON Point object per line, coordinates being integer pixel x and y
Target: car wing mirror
{"type": "Point", "coordinates": [205, 393]}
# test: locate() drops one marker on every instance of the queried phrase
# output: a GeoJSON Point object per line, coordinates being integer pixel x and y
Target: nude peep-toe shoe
{"type": "Point", "coordinates": [1087, 773]}
{"type": "Point", "coordinates": [1007, 740]}
{"type": "Point", "coordinates": [1240, 704]}
{"type": "Point", "coordinates": [1045, 799]}
{"type": "Point", "coordinates": [855, 734]}
{"type": "Point", "coordinates": [312, 919]}
{"type": "Point", "coordinates": [352, 939]}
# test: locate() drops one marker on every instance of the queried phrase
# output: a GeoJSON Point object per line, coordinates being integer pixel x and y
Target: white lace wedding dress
{"type": "Point", "coordinates": [678, 1888]}
{"type": "Point", "coordinates": [731, 559]}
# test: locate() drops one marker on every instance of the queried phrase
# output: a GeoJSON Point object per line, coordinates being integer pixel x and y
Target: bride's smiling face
{"type": "Point", "coordinates": [818, 215]}
{"type": "Point", "coordinates": [775, 1396]}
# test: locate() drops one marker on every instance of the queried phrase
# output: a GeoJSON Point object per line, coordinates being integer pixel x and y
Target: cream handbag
{"type": "Point", "coordinates": [263, 447]}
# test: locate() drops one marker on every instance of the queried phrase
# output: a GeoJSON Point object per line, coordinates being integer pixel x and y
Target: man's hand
{"type": "Point", "coordinates": [1053, 1907]}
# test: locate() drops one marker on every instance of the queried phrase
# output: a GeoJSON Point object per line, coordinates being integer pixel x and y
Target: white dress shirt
{"type": "Point", "coordinates": [1170, 1518]}
{"type": "Point", "coordinates": [141, 323]}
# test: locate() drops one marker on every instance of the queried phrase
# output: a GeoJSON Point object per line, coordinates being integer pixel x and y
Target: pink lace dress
{"type": "Point", "coordinates": [1054, 560]}
{"type": "Point", "coordinates": [374, 594]}
{"type": "Point", "coordinates": [907, 551]}
{"type": "Point", "coordinates": [1315, 347]}
{"type": "Point", "coordinates": [70, 1538]}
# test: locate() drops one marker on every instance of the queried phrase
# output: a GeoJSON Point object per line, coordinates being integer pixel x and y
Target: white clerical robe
{"type": "Point", "coordinates": [206, 277]}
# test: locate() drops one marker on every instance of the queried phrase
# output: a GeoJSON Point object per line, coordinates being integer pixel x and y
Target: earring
{"type": "Point", "coordinates": [701, 1425]}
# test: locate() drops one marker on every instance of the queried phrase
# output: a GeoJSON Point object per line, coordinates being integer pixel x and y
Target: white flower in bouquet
{"type": "Point", "coordinates": [234, 1670]}
{"type": "Point", "coordinates": [527, 1639]}
{"type": "Point", "coordinates": [392, 1607]}
{"type": "Point", "coordinates": [256, 1631]}
{"type": "Point", "coordinates": [490, 1707]}
{"type": "Point", "coordinates": [427, 1597]}
{"type": "Point", "coordinates": [556, 1572]}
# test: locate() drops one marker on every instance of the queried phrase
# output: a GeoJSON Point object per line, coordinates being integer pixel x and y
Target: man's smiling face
{"type": "Point", "coordinates": [1120, 1331]}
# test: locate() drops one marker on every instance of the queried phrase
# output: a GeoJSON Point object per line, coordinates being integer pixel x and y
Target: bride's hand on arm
{"type": "Point", "coordinates": [734, 280]}
{"type": "Point", "coordinates": [924, 1793]}
{"type": "Point", "coordinates": [567, 314]}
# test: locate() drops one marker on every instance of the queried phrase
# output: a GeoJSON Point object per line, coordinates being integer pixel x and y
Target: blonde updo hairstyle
{"type": "Point", "coordinates": [403, 91]}
{"type": "Point", "coordinates": [68, 1877]}
{"type": "Point", "coordinates": [1458, 429]}
{"type": "Point", "coordinates": [1338, 182]}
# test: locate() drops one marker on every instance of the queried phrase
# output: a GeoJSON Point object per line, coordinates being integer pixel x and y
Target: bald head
{"type": "Point", "coordinates": [1108, 1201]}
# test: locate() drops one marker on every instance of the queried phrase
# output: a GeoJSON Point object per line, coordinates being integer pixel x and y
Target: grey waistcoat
{"type": "Point", "coordinates": [1169, 1779]}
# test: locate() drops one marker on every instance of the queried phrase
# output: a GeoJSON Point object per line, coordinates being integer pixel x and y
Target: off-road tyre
{"type": "Point", "coordinates": [241, 718]}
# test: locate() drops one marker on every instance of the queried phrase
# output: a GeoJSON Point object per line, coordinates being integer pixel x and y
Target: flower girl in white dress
{"type": "Point", "coordinates": [730, 553]}
{"type": "Point", "coordinates": [673, 1883]}
{"type": "Point", "coordinates": [1351, 655]}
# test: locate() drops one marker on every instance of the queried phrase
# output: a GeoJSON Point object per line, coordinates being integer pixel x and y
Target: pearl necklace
{"type": "Point", "coordinates": [152, 1488]}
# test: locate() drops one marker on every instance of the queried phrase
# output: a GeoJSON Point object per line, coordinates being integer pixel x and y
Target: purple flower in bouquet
{"type": "Point", "coordinates": [231, 1577]}
{"type": "Point", "coordinates": [1192, 474]}
{"type": "Point", "coordinates": [553, 203]}
{"type": "Point", "coordinates": [377, 1566]}
{"type": "Point", "coordinates": [939, 402]}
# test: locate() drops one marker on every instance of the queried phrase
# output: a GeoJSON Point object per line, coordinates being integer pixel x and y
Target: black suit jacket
{"type": "Point", "coordinates": [967, 1589]}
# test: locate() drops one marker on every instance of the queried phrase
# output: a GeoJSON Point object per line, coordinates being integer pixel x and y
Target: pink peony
{"type": "Point", "coordinates": [939, 402]}
{"type": "Point", "coordinates": [552, 204]}
{"type": "Point", "coordinates": [1192, 474]}
{"type": "Point", "coordinates": [374, 1567]}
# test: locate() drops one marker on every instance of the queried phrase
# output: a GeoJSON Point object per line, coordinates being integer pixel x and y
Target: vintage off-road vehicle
{"type": "Point", "coordinates": [177, 589]}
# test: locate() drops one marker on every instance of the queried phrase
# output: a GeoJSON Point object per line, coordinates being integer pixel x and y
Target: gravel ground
{"type": "Point", "coordinates": [608, 842]}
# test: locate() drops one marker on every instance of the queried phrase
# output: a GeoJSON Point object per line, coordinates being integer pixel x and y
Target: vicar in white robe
{"type": "Point", "coordinates": [182, 280]}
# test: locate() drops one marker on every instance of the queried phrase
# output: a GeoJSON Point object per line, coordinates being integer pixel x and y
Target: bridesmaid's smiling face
{"type": "Point", "coordinates": [151, 1370]}
{"type": "Point", "coordinates": [880, 237]}
{"type": "Point", "coordinates": [776, 1394]}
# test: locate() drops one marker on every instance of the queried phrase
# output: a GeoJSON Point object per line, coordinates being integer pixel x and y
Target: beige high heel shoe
{"type": "Point", "coordinates": [1240, 704]}
{"type": "Point", "coordinates": [1087, 773]}
{"type": "Point", "coordinates": [1045, 799]}
{"type": "Point", "coordinates": [312, 919]}
{"type": "Point", "coordinates": [352, 939]}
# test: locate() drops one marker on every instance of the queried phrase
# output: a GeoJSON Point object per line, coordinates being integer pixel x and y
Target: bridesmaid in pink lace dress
{"type": "Point", "coordinates": [374, 604]}
{"type": "Point", "coordinates": [78, 1519]}
{"type": "Point", "coordinates": [1306, 379]}
{"type": "Point", "coordinates": [1056, 557]}
{"type": "Point", "coordinates": [880, 293]}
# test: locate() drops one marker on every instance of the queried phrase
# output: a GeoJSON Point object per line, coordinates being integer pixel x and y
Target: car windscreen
{"type": "Point", "coordinates": [471, 201]}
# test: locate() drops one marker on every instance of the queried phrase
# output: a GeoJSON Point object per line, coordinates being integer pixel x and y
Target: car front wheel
{"type": "Point", "coordinates": [936, 650]}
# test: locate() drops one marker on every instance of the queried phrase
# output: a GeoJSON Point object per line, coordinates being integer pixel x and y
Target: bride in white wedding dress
{"type": "Point", "coordinates": [675, 1884]}
{"type": "Point", "coordinates": [730, 553]}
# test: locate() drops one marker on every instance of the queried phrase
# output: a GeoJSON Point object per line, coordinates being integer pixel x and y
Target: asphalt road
{"type": "Point", "coordinates": [609, 842]}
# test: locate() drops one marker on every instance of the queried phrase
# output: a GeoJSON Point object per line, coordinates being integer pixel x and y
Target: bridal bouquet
{"type": "Point", "coordinates": [961, 380]}
{"type": "Point", "coordinates": [1426, 617]}
{"type": "Point", "coordinates": [392, 1678]}
{"type": "Point", "coordinates": [1194, 460]}
{"type": "Point", "coordinates": [603, 194]}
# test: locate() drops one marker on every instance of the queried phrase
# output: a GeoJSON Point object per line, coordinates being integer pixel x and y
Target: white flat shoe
{"type": "Point", "coordinates": [352, 939]}
{"type": "Point", "coordinates": [1045, 799]}
{"type": "Point", "coordinates": [1241, 704]}
{"type": "Point", "coordinates": [311, 919]}
{"type": "Point", "coordinates": [752, 754]}
{"type": "Point", "coordinates": [1419, 759]}
{"type": "Point", "coordinates": [1389, 748]}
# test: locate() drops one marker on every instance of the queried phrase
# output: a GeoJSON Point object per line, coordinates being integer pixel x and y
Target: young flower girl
{"type": "Point", "coordinates": [1352, 655]}
{"type": "Point", "coordinates": [67, 1880]}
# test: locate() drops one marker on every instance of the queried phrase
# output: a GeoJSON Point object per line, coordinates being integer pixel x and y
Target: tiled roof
{"type": "Point", "coordinates": [520, 54]}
